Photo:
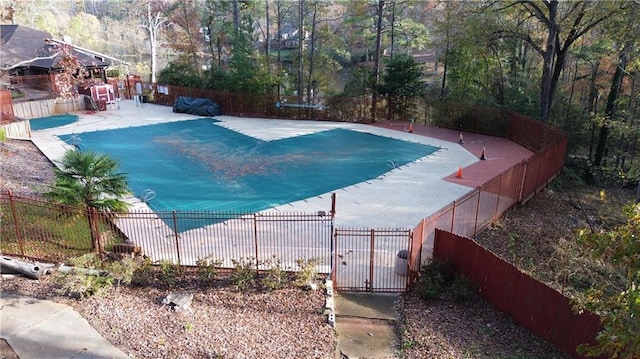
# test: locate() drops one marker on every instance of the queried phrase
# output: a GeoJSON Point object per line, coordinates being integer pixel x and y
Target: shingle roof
{"type": "Point", "coordinates": [20, 43]}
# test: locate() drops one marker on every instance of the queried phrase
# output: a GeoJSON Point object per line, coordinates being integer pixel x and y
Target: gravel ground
{"type": "Point", "coordinates": [222, 323]}
{"type": "Point", "coordinates": [24, 170]}
{"type": "Point", "coordinates": [256, 324]}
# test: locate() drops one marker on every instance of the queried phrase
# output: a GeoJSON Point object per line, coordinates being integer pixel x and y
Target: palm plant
{"type": "Point", "coordinates": [90, 180]}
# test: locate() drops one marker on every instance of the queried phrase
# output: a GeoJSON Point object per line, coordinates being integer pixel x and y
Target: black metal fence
{"type": "Point", "coordinates": [42, 230]}
{"type": "Point", "coordinates": [373, 260]}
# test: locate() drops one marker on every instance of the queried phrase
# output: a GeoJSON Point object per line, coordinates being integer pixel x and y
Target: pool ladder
{"type": "Point", "coordinates": [147, 195]}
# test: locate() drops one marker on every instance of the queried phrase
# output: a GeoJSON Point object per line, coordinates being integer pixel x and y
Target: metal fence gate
{"type": "Point", "coordinates": [371, 260]}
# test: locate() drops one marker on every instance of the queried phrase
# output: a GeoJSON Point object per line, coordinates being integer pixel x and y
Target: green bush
{"type": "Point", "coordinates": [276, 277]}
{"type": "Point", "coordinates": [143, 274]}
{"type": "Point", "coordinates": [81, 284]}
{"type": "Point", "coordinates": [439, 281]}
{"type": "Point", "coordinates": [169, 272]}
{"type": "Point", "coordinates": [308, 271]}
{"type": "Point", "coordinates": [207, 269]}
{"type": "Point", "coordinates": [461, 290]}
{"type": "Point", "coordinates": [244, 273]}
{"type": "Point", "coordinates": [433, 279]}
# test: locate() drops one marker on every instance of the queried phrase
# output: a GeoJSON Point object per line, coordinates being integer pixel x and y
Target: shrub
{"type": "Point", "coordinates": [169, 272]}
{"type": "Point", "coordinates": [82, 284]}
{"type": "Point", "coordinates": [276, 277]}
{"type": "Point", "coordinates": [244, 272]}
{"type": "Point", "coordinates": [438, 280]}
{"type": "Point", "coordinates": [79, 285]}
{"type": "Point", "coordinates": [308, 270]}
{"type": "Point", "coordinates": [433, 279]}
{"type": "Point", "coordinates": [207, 269]}
{"type": "Point", "coordinates": [122, 271]}
{"type": "Point", "coordinates": [143, 274]}
{"type": "Point", "coordinates": [461, 290]}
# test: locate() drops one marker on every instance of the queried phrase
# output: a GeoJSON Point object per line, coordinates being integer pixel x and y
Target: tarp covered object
{"type": "Point", "coordinates": [196, 106]}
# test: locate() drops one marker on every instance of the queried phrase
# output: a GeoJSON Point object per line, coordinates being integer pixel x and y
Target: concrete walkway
{"type": "Point", "coordinates": [42, 329]}
{"type": "Point", "coordinates": [366, 325]}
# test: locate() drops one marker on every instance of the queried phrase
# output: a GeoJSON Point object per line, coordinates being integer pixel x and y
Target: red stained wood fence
{"type": "Point", "coordinates": [6, 107]}
{"type": "Point", "coordinates": [532, 304]}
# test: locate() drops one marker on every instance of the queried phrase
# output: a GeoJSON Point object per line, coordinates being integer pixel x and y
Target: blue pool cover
{"type": "Point", "coordinates": [198, 165]}
{"type": "Point", "coordinates": [43, 123]}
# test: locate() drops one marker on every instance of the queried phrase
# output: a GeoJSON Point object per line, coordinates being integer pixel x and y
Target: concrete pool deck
{"type": "Point", "coordinates": [398, 199]}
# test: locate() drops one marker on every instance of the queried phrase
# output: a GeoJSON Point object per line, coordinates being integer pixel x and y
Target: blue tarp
{"type": "Point", "coordinates": [196, 106]}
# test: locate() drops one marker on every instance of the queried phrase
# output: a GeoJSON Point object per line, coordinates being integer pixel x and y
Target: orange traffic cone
{"type": "Point", "coordinates": [459, 174]}
{"type": "Point", "coordinates": [483, 156]}
{"type": "Point", "coordinates": [411, 127]}
{"type": "Point", "coordinates": [461, 139]}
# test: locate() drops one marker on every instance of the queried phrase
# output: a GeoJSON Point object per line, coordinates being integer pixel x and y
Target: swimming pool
{"type": "Point", "coordinates": [43, 123]}
{"type": "Point", "coordinates": [199, 165]}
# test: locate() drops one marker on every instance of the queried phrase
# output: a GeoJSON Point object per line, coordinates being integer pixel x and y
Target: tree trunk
{"type": "Point", "coordinates": [300, 49]}
{"type": "Point", "coordinates": [393, 28]}
{"type": "Point", "coordinates": [236, 17]}
{"type": "Point", "coordinates": [96, 243]}
{"type": "Point", "coordinates": [10, 265]}
{"type": "Point", "coordinates": [614, 92]}
{"type": "Point", "coordinates": [311, 51]}
{"type": "Point", "coordinates": [267, 40]}
{"type": "Point", "coordinates": [548, 57]}
{"type": "Point", "coordinates": [279, 35]}
{"type": "Point", "coordinates": [376, 59]}
{"type": "Point", "coordinates": [593, 103]}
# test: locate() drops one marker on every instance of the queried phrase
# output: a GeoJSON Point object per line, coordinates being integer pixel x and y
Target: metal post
{"type": "Point", "coordinates": [334, 258]}
{"type": "Point", "coordinates": [495, 213]}
{"type": "Point", "coordinates": [409, 277]}
{"type": "Point", "coordinates": [371, 258]}
{"type": "Point", "coordinates": [14, 214]}
{"type": "Point", "coordinates": [333, 205]}
{"type": "Point", "coordinates": [255, 240]}
{"type": "Point", "coordinates": [333, 236]}
{"type": "Point", "coordinates": [453, 216]}
{"type": "Point", "coordinates": [176, 235]}
{"type": "Point", "coordinates": [475, 224]}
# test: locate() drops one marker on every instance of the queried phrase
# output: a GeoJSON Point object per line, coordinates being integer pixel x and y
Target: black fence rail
{"type": "Point", "coordinates": [372, 260]}
{"type": "Point", "coordinates": [42, 230]}
{"type": "Point", "coordinates": [185, 238]}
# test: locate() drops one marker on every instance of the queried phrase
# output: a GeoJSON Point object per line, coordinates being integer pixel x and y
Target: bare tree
{"type": "Point", "coordinates": [153, 25]}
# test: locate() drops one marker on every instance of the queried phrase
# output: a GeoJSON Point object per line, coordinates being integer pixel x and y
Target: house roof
{"type": "Point", "coordinates": [21, 44]}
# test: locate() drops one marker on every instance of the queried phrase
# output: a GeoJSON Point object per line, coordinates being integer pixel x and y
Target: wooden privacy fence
{"type": "Point", "coordinates": [532, 304]}
{"type": "Point", "coordinates": [17, 129]}
{"type": "Point", "coordinates": [48, 107]}
{"type": "Point", "coordinates": [347, 109]}
{"type": "Point", "coordinates": [6, 107]}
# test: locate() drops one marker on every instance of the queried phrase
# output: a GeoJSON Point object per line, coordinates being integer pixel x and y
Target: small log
{"type": "Point", "coordinates": [10, 265]}
{"type": "Point", "coordinates": [87, 271]}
